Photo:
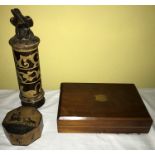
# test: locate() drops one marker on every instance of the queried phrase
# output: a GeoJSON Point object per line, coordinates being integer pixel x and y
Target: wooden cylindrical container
{"type": "Point", "coordinates": [25, 51]}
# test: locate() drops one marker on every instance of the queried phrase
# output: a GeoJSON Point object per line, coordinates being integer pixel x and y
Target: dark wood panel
{"type": "Point", "coordinates": [106, 123]}
{"type": "Point", "coordinates": [78, 129]}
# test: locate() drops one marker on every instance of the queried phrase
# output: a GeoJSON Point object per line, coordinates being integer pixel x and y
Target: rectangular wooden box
{"type": "Point", "coordinates": [101, 108]}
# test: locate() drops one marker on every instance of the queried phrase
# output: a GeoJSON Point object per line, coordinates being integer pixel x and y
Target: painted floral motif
{"type": "Point", "coordinates": [31, 93]}
{"type": "Point", "coordinates": [29, 76]}
{"type": "Point", "coordinates": [25, 62]}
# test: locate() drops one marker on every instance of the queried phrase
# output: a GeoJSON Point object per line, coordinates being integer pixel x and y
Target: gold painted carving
{"type": "Point", "coordinates": [29, 76]}
{"type": "Point", "coordinates": [30, 93]}
{"type": "Point", "coordinates": [23, 61]}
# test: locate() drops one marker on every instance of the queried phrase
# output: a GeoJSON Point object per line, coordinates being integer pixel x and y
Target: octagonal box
{"type": "Point", "coordinates": [23, 125]}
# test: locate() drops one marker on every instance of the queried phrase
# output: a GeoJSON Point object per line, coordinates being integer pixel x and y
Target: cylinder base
{"type": "Point", "coordinates": [37, 104]}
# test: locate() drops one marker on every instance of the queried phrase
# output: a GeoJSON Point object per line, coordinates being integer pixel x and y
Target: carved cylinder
{"type": "Point", "coordinates": [26, 59]}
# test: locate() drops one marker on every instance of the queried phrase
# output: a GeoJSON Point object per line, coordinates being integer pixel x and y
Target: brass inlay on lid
{"type": "Point", "coordinates": [101, 98]}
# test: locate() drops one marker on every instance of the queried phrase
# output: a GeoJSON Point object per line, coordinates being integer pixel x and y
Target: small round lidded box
{"type": "Point", "coordinates": [23, 125]}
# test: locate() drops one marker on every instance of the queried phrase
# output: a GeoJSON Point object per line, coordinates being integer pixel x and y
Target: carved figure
{"type": "Point", "coordinates": [22, 24]}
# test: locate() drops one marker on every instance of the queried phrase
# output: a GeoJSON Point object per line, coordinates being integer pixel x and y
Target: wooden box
{"type": "Point", "coordinates": [23, 125]}
{"type": "Point", "coordinates": [101, 108]}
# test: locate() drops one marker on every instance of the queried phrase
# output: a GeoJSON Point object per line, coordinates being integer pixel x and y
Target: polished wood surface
{"type": "Point", "coordinates": [102, 107]}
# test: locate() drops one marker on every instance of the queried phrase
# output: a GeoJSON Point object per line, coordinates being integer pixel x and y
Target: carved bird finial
{"type": "Point", "coordinates": [22, 24]}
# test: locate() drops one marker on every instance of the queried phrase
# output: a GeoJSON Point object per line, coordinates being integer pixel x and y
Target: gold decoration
{"type": "Point", "coordinates": [30, 93]}
{"type": "Point", "coordinates": [29, 76]}
{"type": "Point", "coordinates": [101, 98]}
{"type": "Point", "coordinates": [26, 61]}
